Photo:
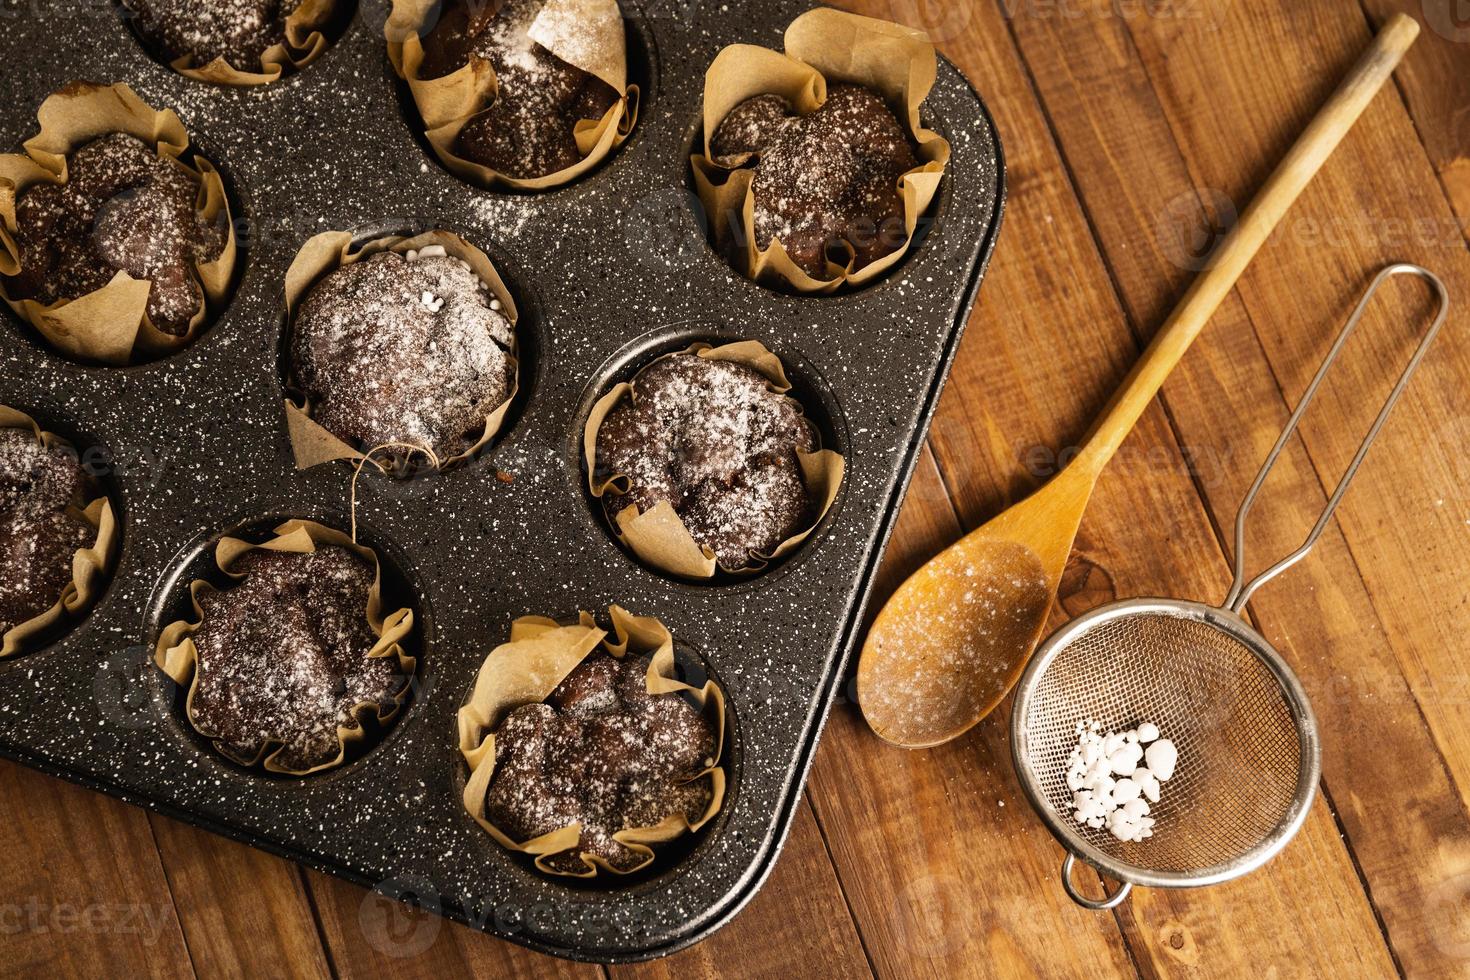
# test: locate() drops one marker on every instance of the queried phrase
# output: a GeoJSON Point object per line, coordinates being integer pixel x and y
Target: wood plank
{"type": "Point", "coordinates": [1435, 82]}
{"type": "Point", "coordinates": [82, 892]}
{"type": "Point", "coordinates": [1111, 128]}
{"type": "Point", "coordinates": [368, 935]}
{"type": "Point", "coordinates": [800, 914]}
{"type": "Point", "coordinates": [1046, 348]}
{"type": "Point", "coordinates": [244, 912]}
{"type": "Point", "coordinates": [947, 871]}
{"type": "Point", "coordinates": [797, 925]}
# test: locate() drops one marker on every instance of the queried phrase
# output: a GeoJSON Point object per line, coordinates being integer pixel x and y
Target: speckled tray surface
{"type": "Point", "coordinates": [608, 273]}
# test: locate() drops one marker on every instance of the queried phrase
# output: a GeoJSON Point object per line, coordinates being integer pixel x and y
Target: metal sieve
{"type": "Point", "coordinates": [1249, 757]}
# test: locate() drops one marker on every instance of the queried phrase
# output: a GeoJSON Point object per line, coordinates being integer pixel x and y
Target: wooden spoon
{"type": "Point", "coordinates": [952, 640]}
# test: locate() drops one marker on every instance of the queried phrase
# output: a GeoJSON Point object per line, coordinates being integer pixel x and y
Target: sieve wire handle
{"type": "Point", "coordinates": [1069, 864]}
{"type": "Point", "coordinates": [1241, 590]}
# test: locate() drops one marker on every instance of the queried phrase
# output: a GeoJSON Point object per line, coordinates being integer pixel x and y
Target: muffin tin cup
{"type": "Point", "coordinates": [895, 62]}
{"type": "Point", "coordinates": [179, 658]}
{"type": "Point", "coordinates": [538, 655]}
{"type": "Point", "coordinates": [659, 536]}
{"type": "Point", "coordinates": [90, 565]}
{"type": "Point", "coordinates": [311, 443]}
{"type": "Point", "coordinates": [306, 37]}
{"type": "Point", "coordinates": [608, 272]}
{"type": "Point", "coordinates": [446, 105]}
{"type": "Point", "coordinates": [110, 324]}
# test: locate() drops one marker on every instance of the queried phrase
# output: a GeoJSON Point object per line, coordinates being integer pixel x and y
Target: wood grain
{"type": "Point", "coordinates": [947, 872]}
{"type": "Point", "coordinates": [798, 918]}
{"type": "Point", "coordinates": [912, 691]}
{"type": "Point", "coordinates": [371, 936]}
{"type": "Point", "coordinates": [269, 934]}
{"type": "Point", "coordinates": [1435, 82]}
{"type": "Point", "coordinates": [82, 892]}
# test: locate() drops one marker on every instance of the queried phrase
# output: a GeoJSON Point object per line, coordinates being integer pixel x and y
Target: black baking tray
{"type": "Point", "coordinates": [608, 273]}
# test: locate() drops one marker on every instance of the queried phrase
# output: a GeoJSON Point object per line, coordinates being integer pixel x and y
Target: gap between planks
{"type": "Point", "coordinates": [316, 921]}
{"type": "Point", "coordinates": [148, 817]}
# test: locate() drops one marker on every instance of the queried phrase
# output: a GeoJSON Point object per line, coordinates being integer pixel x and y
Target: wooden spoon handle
{"type": "Point", "coordinates": [1229, 260]}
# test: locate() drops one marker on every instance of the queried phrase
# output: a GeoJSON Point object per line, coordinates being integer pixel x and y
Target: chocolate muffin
{"type": "Point", "coordinates": [603, 752]}
{"type": "Point", "coordinates": [239, 31]}
{"type": "Point", "coordinates": [825, 183]}
{"type": "Point", "coordinates": [283, 658]}
{"type": "Point", "coordinates": [410, 348]}
{"type": "Point", "coordinates": [40, 530]}
{"type": "Point", "coordinates": [712, 440]}
{"type": "Point", "coordinates": [123, 208]}
{"type": "Point", "coordinates": [529, 130]}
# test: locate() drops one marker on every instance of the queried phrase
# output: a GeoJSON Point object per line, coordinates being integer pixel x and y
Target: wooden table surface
{"type": "Point", "coordinates": [1131, 128]}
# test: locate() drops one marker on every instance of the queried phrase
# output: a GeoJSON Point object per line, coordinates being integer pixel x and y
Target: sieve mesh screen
{"type": "Point", "coordinates": [1221, 705]}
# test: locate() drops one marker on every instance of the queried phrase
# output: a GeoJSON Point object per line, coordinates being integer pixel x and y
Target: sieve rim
{"type": "Point", "coordinates": [1228, 622]}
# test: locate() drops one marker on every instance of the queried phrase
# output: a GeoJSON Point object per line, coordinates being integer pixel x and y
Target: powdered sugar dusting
{"type": "Point", "coordinates": [580, 32]}
{"type": "Point", "coordinates": [239, 31]}
{"type": "Point", "coordinates": [824, 181]}
{"type": "Point", "coordinates": [945, 647]}
{"type": "Point", "coordinates": [715, 442]}
{"type": "Point", "coordinates": [38, 530]}
{"type": "Point", "coordinates": [122, 208]}
{"type": "Point", "coordinates": [283, 657]}
{"type": "Point", "coordinates": [380, 363]}
{"type": "Point", "coordinates": [601, 752]}
{"type": "Point", "coordinates": [529, 130]}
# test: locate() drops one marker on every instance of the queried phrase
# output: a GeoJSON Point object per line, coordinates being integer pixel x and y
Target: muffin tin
{"type": "Point", "coordinates": [608, 272]}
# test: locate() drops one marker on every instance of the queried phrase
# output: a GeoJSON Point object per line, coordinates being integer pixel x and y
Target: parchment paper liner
{"type": "Point", "coordinates": [659, 537]}
{"type": "Point", "coordinates": [109, 324]}
{"type": "Point", "coordinates": [447, 104]}
{"type": "Point", "coordinates": [303, 44]}
{"type": "Point", "coordinates": [539, 655]}
{"type": "Point", "coordinates": [311, 443]}
{"type": "Point", "coordinates": [177, 656]}
{"type": "Point", "coordinates": [822, 46]}
{"type": "Point", "coordinates": [89, 566]}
